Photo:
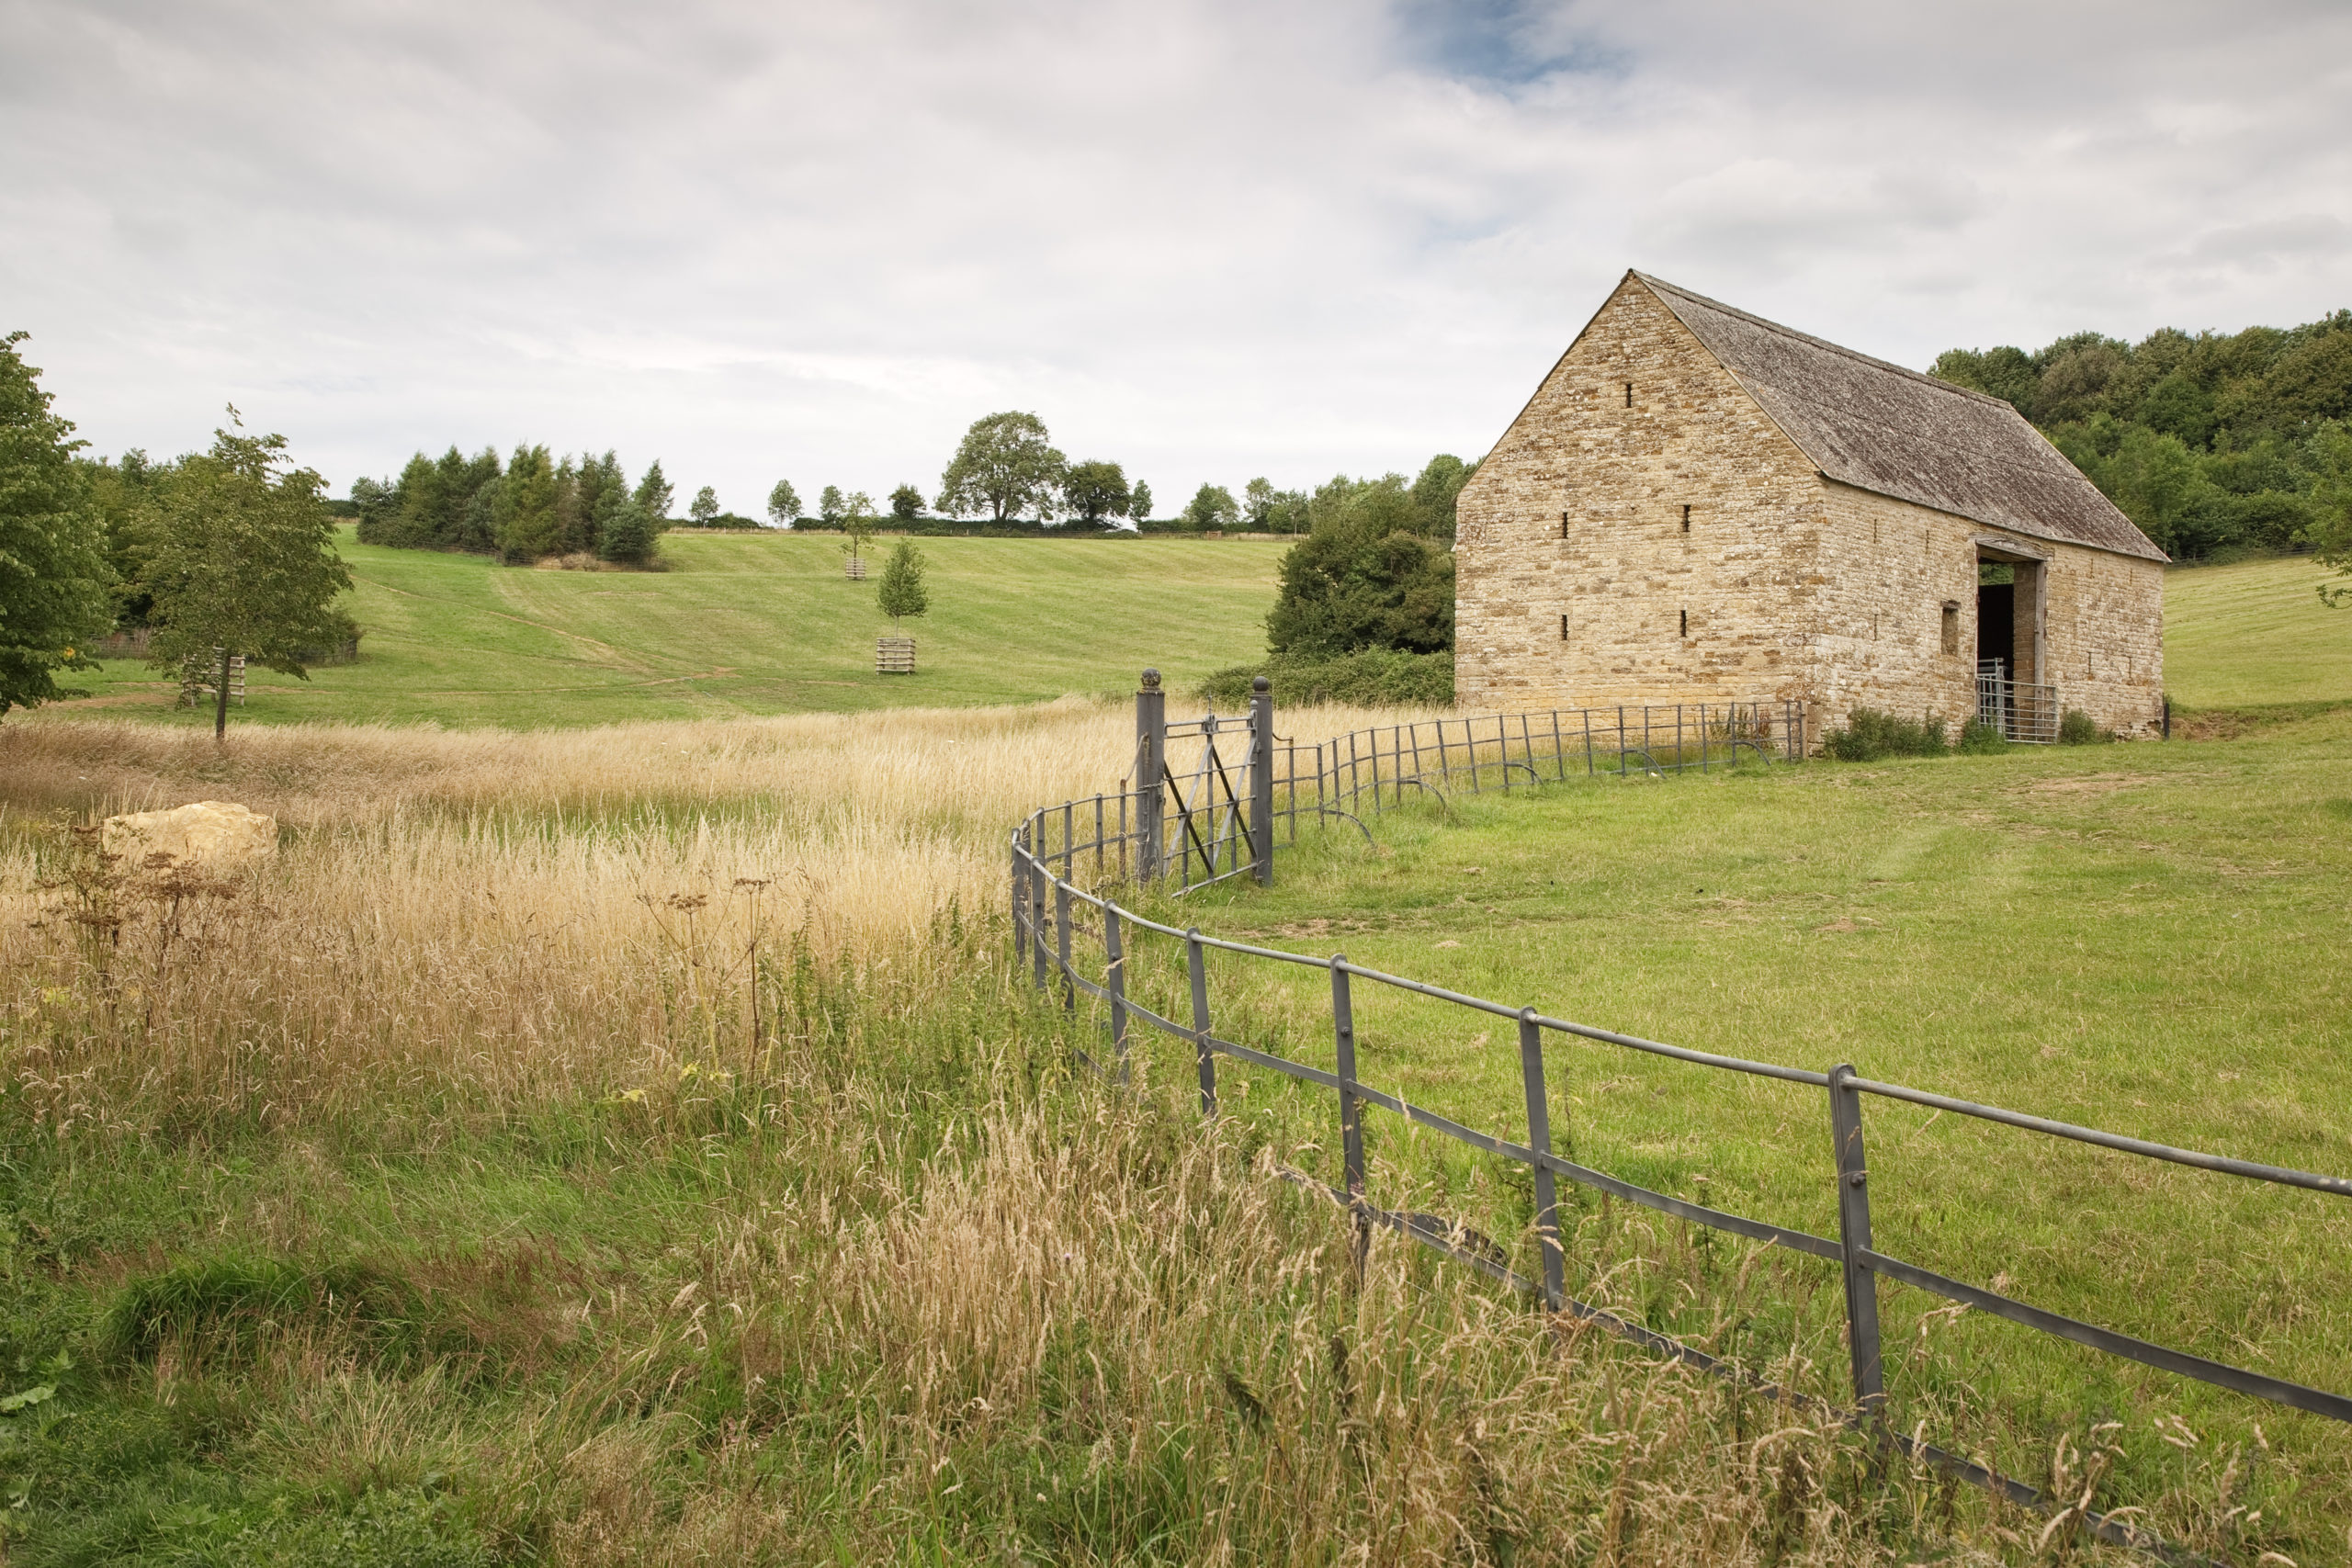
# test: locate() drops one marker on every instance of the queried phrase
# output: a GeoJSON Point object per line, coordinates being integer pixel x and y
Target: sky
{"type": "Point", "coordinates": [1208, 241]}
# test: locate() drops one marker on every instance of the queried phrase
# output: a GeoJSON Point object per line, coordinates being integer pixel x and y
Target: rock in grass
{"type": "Point", "coordinates": [217, 835]}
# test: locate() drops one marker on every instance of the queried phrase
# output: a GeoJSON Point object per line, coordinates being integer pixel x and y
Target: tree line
{"type": "Point", "coordinates": [2215, 444]}
{"type": "Point", "coordinates": [223, 553]}
{"type": "Point", "coordinates": [529, 505]}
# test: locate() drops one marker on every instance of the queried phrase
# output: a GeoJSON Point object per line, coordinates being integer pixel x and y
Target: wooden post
{"type": "Point", "coordinates": [1343, 1028]}
{"type": "Point", "coordinates": [1151, 767]}
{"type": "Point", "coordinates": [1539, 1138]}
{"type": "Point", "coordinates": [1854, 1235]}
{"type": "Point", "coordinates": [1061, 944]}
{"type": "Point", "coordinates": [1261, 777]}
{"type": "Point", "coordinates": [220, 704]}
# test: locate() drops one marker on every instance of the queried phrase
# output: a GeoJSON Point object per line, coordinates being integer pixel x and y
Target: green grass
{"type": "Point", "coordinates": [752, 624]}
{"type": "Point", "coordinates": [2255, 635]}
{"type": "Point", "coordinates": [2144, 938]}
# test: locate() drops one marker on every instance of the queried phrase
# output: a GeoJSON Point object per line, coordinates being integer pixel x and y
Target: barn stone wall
{"type": "Point", "coordinates": [1793, 585]}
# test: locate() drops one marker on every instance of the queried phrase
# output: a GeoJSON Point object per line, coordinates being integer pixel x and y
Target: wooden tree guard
{"type": "Point", "coordinates": [197, 676]}
{"type": "Point", "coordinates": [894, 655]}
{"type": "Point", "coordinates": [855, 567]}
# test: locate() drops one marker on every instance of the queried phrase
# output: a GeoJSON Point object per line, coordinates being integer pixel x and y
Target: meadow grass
{"type": "Point", "coordinates": [750, 623]}
{"type": "Point", "coordinates": [2253, 635]}
{"type": "Point", "coordinates": [498, 1175]}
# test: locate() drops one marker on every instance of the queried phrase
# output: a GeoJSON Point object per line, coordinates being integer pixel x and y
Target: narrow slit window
{"type": "Point", "coordinates": [1686, 623]}
{"type": "Point", "coordinates": [1686, 517]}
{"type": "Point", "coordinates": [1629, 394]}
{"type": "Point", "coordinates": [1563, 524]}
{"type": "Point", "coordinates": [1564, 629]}
{"type": "Point", "coordinates": [1951, 625]}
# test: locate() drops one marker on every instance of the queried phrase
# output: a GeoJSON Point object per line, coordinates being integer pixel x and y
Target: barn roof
{"type": "Point", "coordinates": [1879, 427]}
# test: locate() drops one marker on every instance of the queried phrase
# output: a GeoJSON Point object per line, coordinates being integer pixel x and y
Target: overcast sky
{"type": "Point", "coordinates": [1209, 241]}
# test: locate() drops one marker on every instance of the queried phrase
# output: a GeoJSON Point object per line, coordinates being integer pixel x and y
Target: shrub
{"type": "Point", "coordinates": [1869, 735]}
{"type": "Point", "coordinates": [1979, 739]}
{"type": "Point", "coordinates": [2076, 727]}
{"type": "Point", "coordinates": [1372, 676]}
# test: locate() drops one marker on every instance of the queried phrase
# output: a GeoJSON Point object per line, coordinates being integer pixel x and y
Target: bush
{"type": "Point", "coordinates": [1979, 739]}
{"type": "Point", "coordinates": [2076, 727]}
{"type": "Point", "coordinates": [1371, 676]}
{"type": "Point", "coordinates": [1869, 735]}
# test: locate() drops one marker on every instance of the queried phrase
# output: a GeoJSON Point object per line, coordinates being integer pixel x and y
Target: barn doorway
{"type": "Point", "coordinates": [2010, 645]}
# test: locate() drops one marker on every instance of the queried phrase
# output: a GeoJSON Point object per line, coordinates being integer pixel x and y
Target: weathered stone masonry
{"type": "Point", "coordinates": [1648, 531]}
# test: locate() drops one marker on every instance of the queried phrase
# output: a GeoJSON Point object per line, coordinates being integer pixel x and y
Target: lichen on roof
{"type": "Point", "coordinates": [1880, 427]}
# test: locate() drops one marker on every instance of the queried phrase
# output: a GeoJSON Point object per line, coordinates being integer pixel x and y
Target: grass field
{"type": "Point", "coordinates": [2255, 635]}
{"type": "Point", "coordinates": [748, 622]}
{"type": "Point", "coordinates": [634, 1145]}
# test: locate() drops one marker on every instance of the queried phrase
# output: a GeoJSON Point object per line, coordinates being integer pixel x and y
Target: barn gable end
{"type": "Point", "coordinates": [1698, 506]}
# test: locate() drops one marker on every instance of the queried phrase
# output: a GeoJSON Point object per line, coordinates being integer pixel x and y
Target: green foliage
{"type": "Point", "coordinates": [1434, 492]}
{"type": "Point", "coordinates": [2076, 727]}
{"type": "Point", "coordinates": [1978, 738]}
{"type": "Point", "coordinates": [1096, 491]}
{"type": "Point", "coordinates": [2215, 444]}
{"type": "Point", "coordinates": [1212, 509]}
{"type": "Point", "coordinates": [704, 508]}
{"type": "Point", "coordinates": [1869, 735]}
{"type": "Point", "coordinates": [784, 504]}
{"type": "Point", "coordinates": [1140, 501]}
{"type": "Point", "coordinates": [1372, 676]}
{"type": "Point", "coordinates": [53, 576]}
{"type": "Point", "coordinates": [902, 591]}
{"type": "Point", "coordinates": [1006, 464]}
{"type": "Point", "coordinates": [626, 536]}
{"type": "Point", "coordinates": [1357, 583]}
{"type": "Point", "coordinates": [655, 493]}
{"type": "Point", "coordinates": [523, 513]}
{"type": "Point", "coordinates": [906, 503]}
{"type": "Point", "coordinates": [243, 559]}
{"type": "Point", "coordinates": [830, 503]}
{"type": "Point", "coordinates": [2330, 530]}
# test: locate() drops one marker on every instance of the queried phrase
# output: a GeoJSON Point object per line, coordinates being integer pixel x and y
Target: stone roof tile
{"type": "Point", "coordinates": [1880, 427]}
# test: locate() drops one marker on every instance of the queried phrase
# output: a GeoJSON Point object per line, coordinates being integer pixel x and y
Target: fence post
{"type": "Point", "coordinates": [1151, 768]}
{"type": "Point", "coordinates": [1343, 1028]}
{"type": "Point", "coordinates": [1854, 1235]}
{"type": "Point", "coordinates": [1196, 965]}
{"type": "Point", "coordinates": [1539, 1138]}
{"type": "Point", "coordinates": [1061, 944]}
{"type": "Point", "coordinates": [1037, 902]}
{"type": "Point", "coordinates": [1115, 980]}
{"type": "Point", "coordinates": [1262, 776]}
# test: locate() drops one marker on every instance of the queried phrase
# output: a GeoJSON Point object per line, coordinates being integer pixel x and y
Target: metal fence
{"type": "Point", "coordinates": [1047, 903]}
{"type": "Point", "coordinates": [2020, 710]}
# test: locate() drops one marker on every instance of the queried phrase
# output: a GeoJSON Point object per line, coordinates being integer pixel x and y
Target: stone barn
{"type": "Point", "coordinates": [1698, 506]}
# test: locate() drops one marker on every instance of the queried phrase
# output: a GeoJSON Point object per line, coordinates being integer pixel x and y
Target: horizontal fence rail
{"type": "Point", "coordinates": [1213, 816]}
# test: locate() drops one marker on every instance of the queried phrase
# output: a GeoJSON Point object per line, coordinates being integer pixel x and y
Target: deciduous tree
{"type": "Point", "coordinates": [784, 504]}
{"type": "Point", "coordinates": [244, 563]}
{"type": "Point", "coordinates": [53, 576]}
{"type": "Point", "coordinates": [1139, 503]}
{"type": "Point", "coordinates": [1007, 464]}
{"type": "Point", "coordinates": [704, 508]}
{"type": "Point", "coordinates": [1212, 508]}
{"type": "Point", "coordinates": [1096, 491]}
{"type": "Point", "coordinates": [906, 503]}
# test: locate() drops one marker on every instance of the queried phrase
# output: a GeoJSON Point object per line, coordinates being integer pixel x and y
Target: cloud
{"type": "Point", "coordinates": [1208, 240]}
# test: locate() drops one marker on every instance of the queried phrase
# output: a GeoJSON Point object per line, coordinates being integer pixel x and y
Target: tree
{"type": "Point", "coordinates": [830, 505]}
{"type": "Point", "coordinates": [1139, 503]}
{"type": "Point", "coordinates": [2330, 531]}
{"type": "Point", "coordinates": [1435, 491]}
{"type": "Point", "coordinates": [627, 535]}
{"type": "Point", "coordinates": [1006, 464]}
{"type": "Point", "coordinates": [784, 504]}
{"type": "Point", "coordinates": [906, 503]}
{"type": "Point", "coordinates": [1258, 503]}
{"type": "Point", "coordinates": [1096, 491]}
{"type": "Point", "coordinates": [901, 591]}
{"type": "Point", "coordinates": [53, 599]}
{"type": "Point", "coordinates": [244, 563]}
{"type": "Point", "coordinates": [1212, 507]}
{"type": "Point", "coordinates": [523, 510]}
{"type": "Point", "coordinates": [1355, 583]}
{"type": "Point", "coordinates": [705, 508]}
{"type": "Point", "coordinates": [654, 493]}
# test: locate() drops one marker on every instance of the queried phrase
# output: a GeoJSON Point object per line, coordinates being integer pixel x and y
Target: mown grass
{"type": "Point", "coordinates": [2253, 635]}
{"type": "Point", "coordinates": [751, 622]}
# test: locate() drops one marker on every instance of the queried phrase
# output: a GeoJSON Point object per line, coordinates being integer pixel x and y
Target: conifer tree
{"type": "Point", "coordinates": [902, 592]}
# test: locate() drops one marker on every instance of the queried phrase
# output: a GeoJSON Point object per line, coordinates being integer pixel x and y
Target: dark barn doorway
{"type": "Point", "coordinates": [1997, 616]}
